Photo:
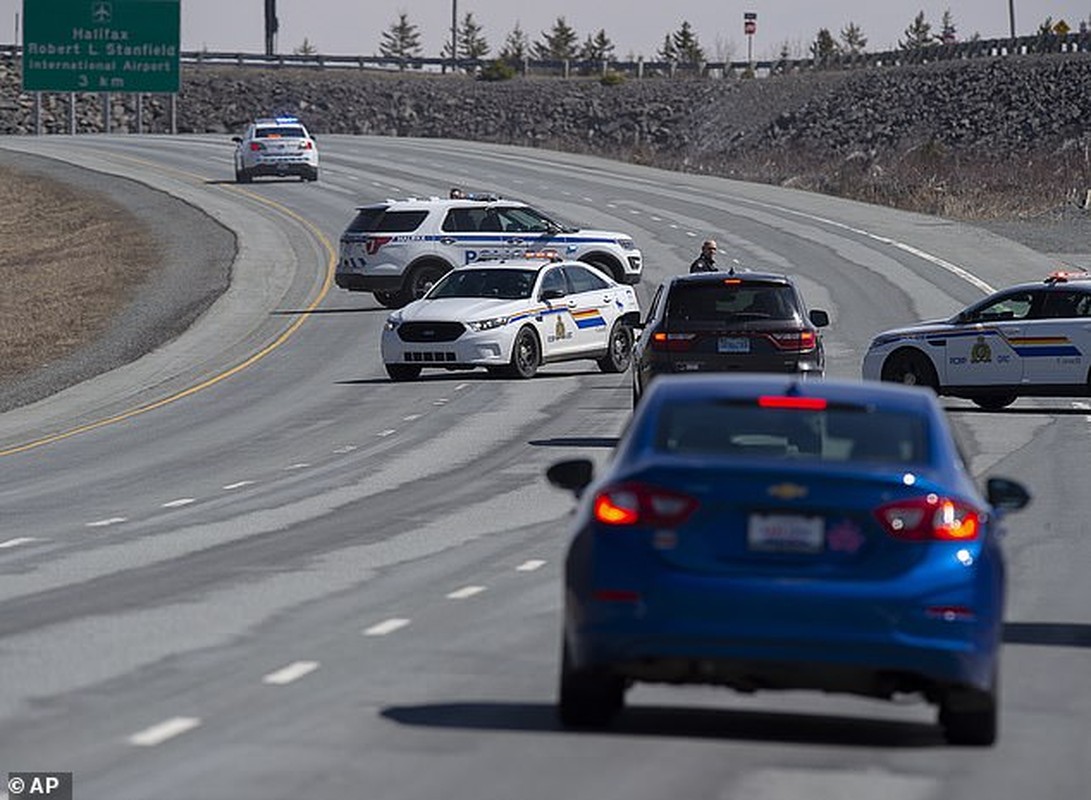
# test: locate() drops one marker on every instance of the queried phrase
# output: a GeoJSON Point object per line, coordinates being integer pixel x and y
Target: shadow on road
{"type": "Point", "coordinates": [1048, 634]}
{"type": "Point", "coordinates": [1020, 412]}
{"type": "Point", "coordinates": [291, 312]}
{"type": "Point", "coordinates": [681, 722]}
{"type": "Point", "coordinates": [608, 442]}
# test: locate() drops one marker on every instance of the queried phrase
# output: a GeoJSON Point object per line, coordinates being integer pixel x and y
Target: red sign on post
{"type": "Point", "coordinates": [750, 23]}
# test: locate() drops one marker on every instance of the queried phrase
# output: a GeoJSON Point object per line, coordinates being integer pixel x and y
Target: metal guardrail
{"type": "Point", "coordinates": [981, 48]}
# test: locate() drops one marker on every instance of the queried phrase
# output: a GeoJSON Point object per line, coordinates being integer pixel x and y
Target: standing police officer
{"type": "Point", "coordinates": [706, 262]}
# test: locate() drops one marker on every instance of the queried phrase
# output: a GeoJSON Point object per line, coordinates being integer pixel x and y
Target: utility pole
{"type": "Point", "coordinates": [1011, 16]}
{"type": "Point", "coordinates": [454, 35]}
{"type": "Point", "coordinates": [271, 26]}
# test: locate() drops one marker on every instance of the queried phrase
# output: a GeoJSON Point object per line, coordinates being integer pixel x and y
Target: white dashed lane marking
{"type": "Point", "coordinates": [461, 386]}
{"type": "Point", "coordinates": [16, 542]}
{"type": "Point", "coordinates": [300, 465]}
{"type": "Point", "coordinates": [105, 523]}
{"type": "Point", "coordinates": [530, 566]}
{"type": "Point", "coordinates": [181, 501]}
{"type": "Point", "coordinates": [384, 434]}
{"type": "Point", "coordinates": [411, 418]}
{"type": "Point", "coordinates": [291, 673]}
{"type": "Point", "coordinates": [348, 448]}
{"type": "Point", "coordinates": [237, 485]}
{"type": "Point", "coordinates": [388, 626]}
{"type": "Point", "coordinates": [157, 734]}
{"type": "Point", "coordinates": [465, 591]}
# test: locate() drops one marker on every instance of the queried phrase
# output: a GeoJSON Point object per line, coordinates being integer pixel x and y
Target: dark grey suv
{"type": "Point", "coordinates": [728, 322]}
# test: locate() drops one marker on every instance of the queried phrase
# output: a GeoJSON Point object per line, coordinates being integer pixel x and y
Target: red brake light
{"type": "Point", "coordinates": [930, 518]}
{"type": "Point", "coordinates": [798, 403]}
{"type": "Point", "coordinates": [256, 146]}
{"type": "Point", "coordinates": [305, 145]}
{"type": "Point", "coordinates": [641, 504]}
{"type": "Point", "coordinates": [673, 342]}
{"type": "Point", "coordinates": [796, 341]}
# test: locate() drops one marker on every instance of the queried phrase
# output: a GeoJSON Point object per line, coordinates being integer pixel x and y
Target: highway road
{"type": "Point", "coordinates": [248, 566]}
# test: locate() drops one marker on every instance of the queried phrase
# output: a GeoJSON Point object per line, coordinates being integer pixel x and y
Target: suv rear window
{"type": "Point", "coordinates": [292, 133]}
{"type": "Point", "coordinates": [715, 302]}
{"type": "Point", "coordinates": [835, 433]}
{"type": "Point", "coordinates": [377, 219]}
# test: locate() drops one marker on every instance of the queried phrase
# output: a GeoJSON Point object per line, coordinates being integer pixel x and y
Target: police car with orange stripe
{"type": "Point", "coordinates": [511, 316]}
{"type": "Point", "coordinates": [1033, 339]}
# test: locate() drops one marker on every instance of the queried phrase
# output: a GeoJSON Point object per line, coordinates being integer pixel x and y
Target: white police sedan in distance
{"type": "Point", "coordinates": [1033, 339]}
{"type": "Point", "coordinates": [511, 317]}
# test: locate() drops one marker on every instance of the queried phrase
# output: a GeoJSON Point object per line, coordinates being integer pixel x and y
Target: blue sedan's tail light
{"type": "Point", "coordinates": [641, 504]}
{"type": "Point", "coordinates": [930, 518]}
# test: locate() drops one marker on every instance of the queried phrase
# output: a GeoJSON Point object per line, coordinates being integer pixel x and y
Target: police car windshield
{"type": "Point", "coordinates": [502, 284]}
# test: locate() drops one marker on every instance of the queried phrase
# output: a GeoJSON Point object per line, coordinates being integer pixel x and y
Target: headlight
{"type": "Point", "coordinates": [488, 324]}
{"type": "Point", "coordinates": [393, 321]}
{"type": "Point", "coordinates": [626, 244]}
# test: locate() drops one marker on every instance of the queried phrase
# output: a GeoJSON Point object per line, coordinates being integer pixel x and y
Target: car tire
{"type": "Point", "coordinates": [619, 349]}
{"type": "Point", "coordinates": [402, 372]}
{"type": "Point", "coordinates": [389, 299]}
{"type": "Point", "coordinates": [995, 402]}
{"type": "Point", "coordinates": [969, 717]}
{"type": "Point", "coordinates": [311, 176]}
{"type": "Point", "coordinates": [587, 698]}
{"type": "Point", "coordinates": [606, 268]}
{"type": "Point", "coordinates": [422, 278]}
{"type": "Point", "coordinates": [526, 355]}
{"type": "Point", "coordinates": [242, 176]}
{"type": "Point", "coordinates": [911, 368]}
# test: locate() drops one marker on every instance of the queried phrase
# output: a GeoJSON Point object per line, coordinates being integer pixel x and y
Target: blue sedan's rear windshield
{"type": "Point", "coordinates": [834, 433]}
{"type": "Point", "coordinates": [503, 284]}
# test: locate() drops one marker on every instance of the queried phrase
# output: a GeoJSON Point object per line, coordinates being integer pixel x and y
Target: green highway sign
{"type": "Point", "coordinates": [101, 45]}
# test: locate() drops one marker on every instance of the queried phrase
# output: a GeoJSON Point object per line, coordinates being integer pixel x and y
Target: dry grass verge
{"type": "Point", "coordinates": [69, 261]}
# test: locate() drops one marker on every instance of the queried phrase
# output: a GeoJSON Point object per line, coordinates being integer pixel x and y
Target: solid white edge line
{"type": "Point", "coordinates": [464, 592]}
{"type": "Point", "coordinates": [290, 673]}
{"type": "Point", "coordinates": [531, 565]}
{"type": "Point", "coordinates": [17, 541]}
{"type": "Point", "coordinates": [168, 729]}
{"type": "Point", "coordinates": [385, 627]}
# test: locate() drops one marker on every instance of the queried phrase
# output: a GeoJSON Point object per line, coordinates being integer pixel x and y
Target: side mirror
{"type": "Point", "coordinates": [236, 139]}
{"type": "Point", "coordinates": [553, 294]}
{"type": "Point", "coordinates": [819, 318]}
{"type": "Point", "coordinates": [1006, 495]}
{"type": "Point", "coordinates": [572, 476]}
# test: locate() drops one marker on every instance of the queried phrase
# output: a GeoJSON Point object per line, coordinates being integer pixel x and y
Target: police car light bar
{"type": "Point", "coordinates": [1065, 275]}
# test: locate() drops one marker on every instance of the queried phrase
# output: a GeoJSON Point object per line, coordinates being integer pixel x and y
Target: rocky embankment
{"type": "Point", "coordinates": [841, 131]}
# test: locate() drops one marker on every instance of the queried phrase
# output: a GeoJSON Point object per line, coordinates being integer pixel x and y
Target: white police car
{"type": "Point", "coordinates": [511, 316]}
{"type": "Point", "coordinates": [1033, 339]}
{"type": "Point", "coordinates": [398, 248]}
{"type": "Point", "coordinates": [277, 146]}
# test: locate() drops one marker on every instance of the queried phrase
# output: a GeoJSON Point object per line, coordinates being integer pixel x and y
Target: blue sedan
{"type": "Point", "coordinates": [761, 532]}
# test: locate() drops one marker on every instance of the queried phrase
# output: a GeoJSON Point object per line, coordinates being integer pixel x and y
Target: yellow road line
{"type": "Point", "coordinates": [331, 265]}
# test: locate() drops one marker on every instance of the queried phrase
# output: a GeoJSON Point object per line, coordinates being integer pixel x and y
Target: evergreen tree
{"type": "Point", "coordinates": [306, 49]}
{"type": "Point", "coordinates": [917, 35]}
{"type": "Point", "coordinates": [516, 46]}
{"type": "Point", "coordinates": [472, 43]}
{"type": "Point", "coordinates": [686, 46]}
{"type": "Point", "coordinates": [401, 39]}
{"type": "Point", "coordinates": [948, 34]}
{"type": "Point", "coordinates": [667, 52]}
{"type": "Point", "coordinates": [597, 48]}
{"type": "Point", "coordinates": [824, 46]}
{"type": "Point", "coordinates": [853, 40]}
{"type": "Point", "coordinates": [557, 44]}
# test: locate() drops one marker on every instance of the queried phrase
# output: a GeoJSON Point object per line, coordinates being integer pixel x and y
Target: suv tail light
{"type": "Point", "coordinates": [673, 342]}
{"type": "Point", "coordinates": [795, 341]}
{"type": "Point", "coordinates": [930, 518]}
{"type": "Point", "coordinates": [629, 504]}
{"type": "Point", "coordinates": [305, 145]}
{"type": "Point", "coordinates": [256, 146]}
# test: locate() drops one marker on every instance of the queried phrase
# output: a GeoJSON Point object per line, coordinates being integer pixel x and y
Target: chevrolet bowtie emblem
{"type": "Point", "coordinates": [788, 491]}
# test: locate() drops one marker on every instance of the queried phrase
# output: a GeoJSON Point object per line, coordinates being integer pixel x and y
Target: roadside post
{"type": "Point", "coordinates": [750, 27]}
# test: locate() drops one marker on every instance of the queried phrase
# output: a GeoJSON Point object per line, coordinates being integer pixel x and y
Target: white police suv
{"type": "Point", "coordinates": [511, 316]}
{"type": "Point", "coordinates": [398, 248]}
{"type": "Point", "coordinates": [1033, 339]}
{"type": "Point", "coordinates": [277, 146]}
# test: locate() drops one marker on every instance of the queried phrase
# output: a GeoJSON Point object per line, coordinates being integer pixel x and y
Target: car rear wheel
{"type": "Point", "coordinates": [242, 176]}
{"type": "Point", "coordinates": [619, 349]}
{"type": "Point", "coordinates": [526, 355]}
{"type": "Point", "coordinates": [995, 402]}
{"type": "Point", "coordinates": [403, 372]}
{"type": "Point", "coordinates": [588, 698]}
{"type": "Point", "coordinates": [969, 716]}
{"type": "Point", "coordinates": [422, 278]}
{"type": "Point", "coordinates": [389, 299]}
{"type": "Point", "coordinates": [911, 368]}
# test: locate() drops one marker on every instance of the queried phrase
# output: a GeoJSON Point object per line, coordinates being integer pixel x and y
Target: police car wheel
{"type": "Point", "coordinates": [402, 372]}
{"type": "Point", "coordinates": [910, 368]}
{"type": "Point", "coordinates": [422, 279]}
{"type": "Point", "coordinates": [242, 176]}
{"type": "Point", "coordinates": [525, 355]}
{"type": "Point", "coordinates": [995, 402]}
{"type": "Point", "coordinates": [619, 350]}
{"type": "Point", "coordinates": [390, 299]}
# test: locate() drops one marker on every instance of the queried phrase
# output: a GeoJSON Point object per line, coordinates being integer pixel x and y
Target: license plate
{"type": "Point", "coordinates": [733, 344]}
{"type": "Point", "coordinates": [785, 533]}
